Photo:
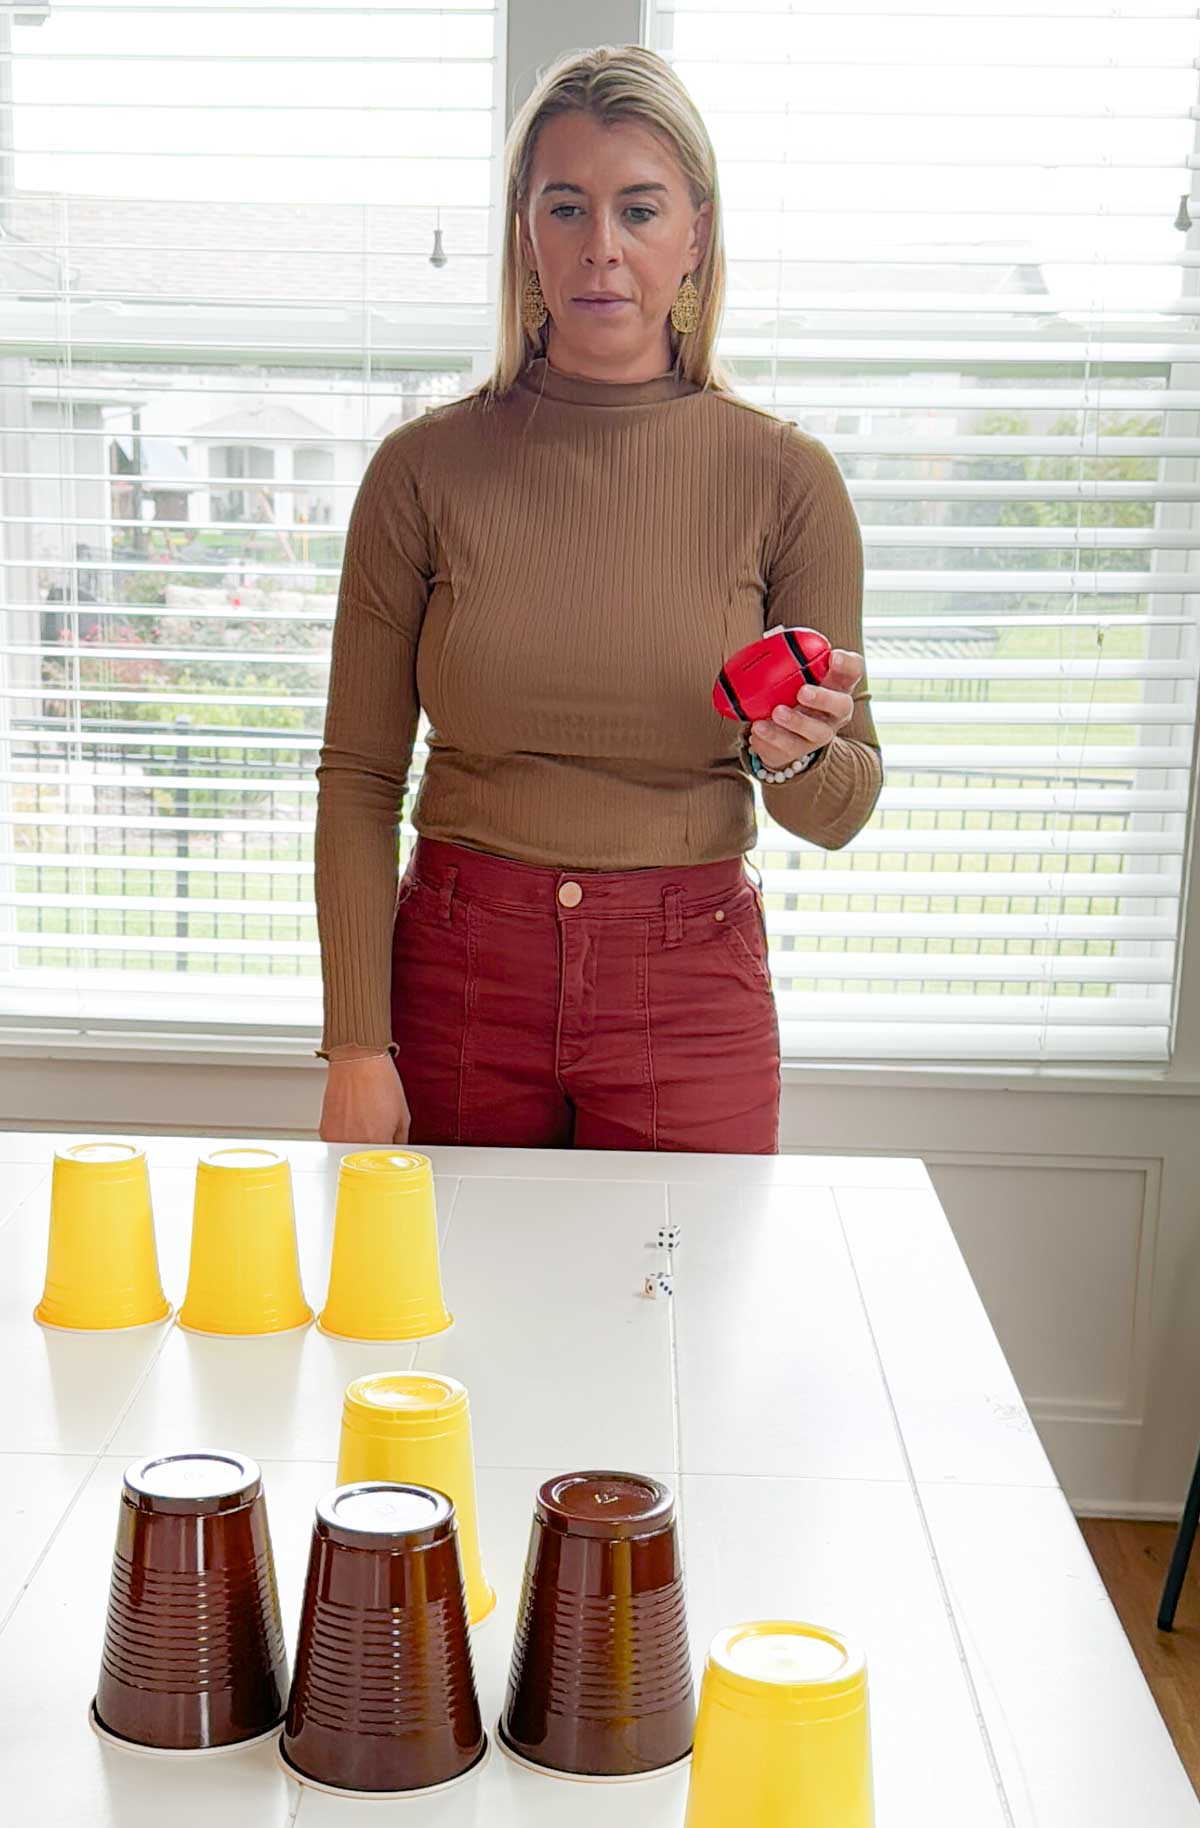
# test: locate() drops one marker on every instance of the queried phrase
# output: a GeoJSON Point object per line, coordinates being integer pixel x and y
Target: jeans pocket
{"type": "Point", "coordinates": [738, 931]}
{"type": "Point", "coordinates": [747, 948]}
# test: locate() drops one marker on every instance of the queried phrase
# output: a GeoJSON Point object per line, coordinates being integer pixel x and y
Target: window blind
{"type": "Point", "coordinates": [955, 256]}
{"type": "Point", "coordinates": [238, 245]}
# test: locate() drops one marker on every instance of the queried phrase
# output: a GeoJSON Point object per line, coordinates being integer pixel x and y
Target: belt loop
{"type": "Point", "coordinates": [446, 892]}
{"type": "Point", "coordinates": [757, 873]}
{"type": "Point", "coordinates": [671, 900]}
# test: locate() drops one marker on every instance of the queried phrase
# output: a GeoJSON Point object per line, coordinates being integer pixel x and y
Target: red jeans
{"type": "Point", "coordinates": [541, 1008]}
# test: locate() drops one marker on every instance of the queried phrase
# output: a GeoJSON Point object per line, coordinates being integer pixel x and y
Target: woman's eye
{"type": "Point", "coordinates": [638, 209]}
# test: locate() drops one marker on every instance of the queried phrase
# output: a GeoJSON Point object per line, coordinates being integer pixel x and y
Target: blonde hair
{"type": "Point", "coordinates": [613, 83]}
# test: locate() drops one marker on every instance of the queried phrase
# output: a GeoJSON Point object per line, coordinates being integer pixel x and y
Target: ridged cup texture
{"type": "Point", "coordinates": [600, 1683]}
{"type": "Point", "coordinates": [194, 1653]}
{"type": "Point", "coordinates": [383, 1698]}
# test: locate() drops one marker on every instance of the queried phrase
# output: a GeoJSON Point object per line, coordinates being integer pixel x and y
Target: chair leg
{"type": "Point", "coordinates": [1181, 1553]}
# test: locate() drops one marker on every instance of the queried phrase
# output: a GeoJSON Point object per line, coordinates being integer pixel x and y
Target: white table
{"type": "Point", "coordinates": [824, 1373]}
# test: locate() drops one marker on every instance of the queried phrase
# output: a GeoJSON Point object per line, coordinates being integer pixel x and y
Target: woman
{"type": "Point", "coordinates": [555, 568]}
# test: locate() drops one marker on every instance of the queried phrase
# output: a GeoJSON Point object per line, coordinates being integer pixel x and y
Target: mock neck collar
{"type": "Point", "coordinates": [582, 390]}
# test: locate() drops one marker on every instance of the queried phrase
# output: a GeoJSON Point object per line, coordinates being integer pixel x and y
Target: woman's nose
{"type": "Point", "coordinates": [600, 242]}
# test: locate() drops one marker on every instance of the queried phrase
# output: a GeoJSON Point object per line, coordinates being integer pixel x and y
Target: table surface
{"type": "Point", "coordinates": [824, 1379]}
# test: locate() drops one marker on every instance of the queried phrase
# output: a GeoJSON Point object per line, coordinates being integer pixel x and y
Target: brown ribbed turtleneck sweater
{"type": "Point", "coordinates": [556, 580]}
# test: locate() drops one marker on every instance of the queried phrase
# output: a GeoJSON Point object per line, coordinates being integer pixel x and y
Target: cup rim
{"type": "Point", "coordinates": [414, 1165]}
{"type": "Point", "coordinates": [390, 1339]}
{"type": "Point", "coordinates": [241, 1492]}
{"type": "Point", "coordinates": [587, 1777]}
{"type": "Point", "coordinates": [441, 1523]}
{"type": "Point", "coordinates": [272, 1166]}
{"type": "Point", "coordinates": [454, 1397]}
{"type": "Point", "coordinates": [271, 1332]}
{"type": "Point", "coordinates": [802, 1690]}
{"type": "Point", "coordinates": [137, 1153]}
{"type": "Point", "coordinates": [137, 1326]}
{"type": "Point", "coordinates": [162, 1751]}
{"type": "Point", "coordinates": [385, 1796]}
{"type": "Point", "coordinates": [657, 1520]}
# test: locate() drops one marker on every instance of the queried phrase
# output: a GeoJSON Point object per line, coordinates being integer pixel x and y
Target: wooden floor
{"type": "Point", "coordinates": [1132, 1559]}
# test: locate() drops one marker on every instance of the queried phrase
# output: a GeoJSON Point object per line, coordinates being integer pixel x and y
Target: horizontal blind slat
{"type": "Point", "coordinates": [967, 926]}
{"type": "Point", "coordinates": [184, 946]}
{"type": "Point", "coordinates": [970, 1041]}
{"type": "Point", "coordinates": [940, 967]}
{"type": "Point", "coordinates": [1120, 885]}
{"type": "Point", "coordinates": [1141, 1009]}
{"type": "Point", "coordinates": [971, 841]}
{"type": "Point", "coordinates": [138, 863]}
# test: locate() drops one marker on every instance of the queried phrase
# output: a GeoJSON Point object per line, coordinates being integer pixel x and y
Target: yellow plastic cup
{"type": "Point", "coordinates": [782, 1734]}
{"type": "Point", "coordinates": [101, 1260]}
{"type": "Point", "coordinates": [244, 1273]}
{"type": "Point", "coordinates": [385, 1280]}
{"type": "Point", "coordinates": [414, 1428]}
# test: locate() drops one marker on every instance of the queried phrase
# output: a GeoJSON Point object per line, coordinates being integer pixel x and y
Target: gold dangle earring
{"type": "Point", "coordinates": [685, 310]}
{"type": "Point", "coordinates": [533, 305]}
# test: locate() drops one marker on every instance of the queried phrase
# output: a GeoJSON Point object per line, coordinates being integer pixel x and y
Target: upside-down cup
{"type": "Point", "coordinates": [783, 1734]}
{"type": "Point", "coordinates": [101, 1260]}
{"type": "Point", "coordinates": [600, 1683]}
{"type": "Point", "coordinates": [244, 1272]}
{"type": "Point", "coordinates": [383, 1699]}
{"type": "Point", "coordinates": [385, 1279]}
{"type": "Point", "coordinates": [194, 1657]}
{"type": "Point", "coordinates": [414, 1428]}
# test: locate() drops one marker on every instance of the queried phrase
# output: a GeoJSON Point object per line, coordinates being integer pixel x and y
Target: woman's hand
{"type": "Point", "coordinates": [364, 1103]}
{"type": "Point", "coordinates": [819, 713]}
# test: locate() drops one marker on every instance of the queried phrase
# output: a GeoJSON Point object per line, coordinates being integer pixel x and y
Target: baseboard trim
{"type": "Point", "coordinates": [1123, 1510]}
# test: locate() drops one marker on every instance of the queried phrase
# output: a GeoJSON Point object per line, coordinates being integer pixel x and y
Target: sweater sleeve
{"type": "Point", "coordinates": [815, 580]}
{"type": "Point", "coordinates": [371, 720]}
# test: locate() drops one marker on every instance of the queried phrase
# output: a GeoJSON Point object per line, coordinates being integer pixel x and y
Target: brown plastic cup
{"type": "Point", "coordinates": [194, 1657]}
{"type": "Point", "coordinates": [383, 1699]}
{"type": "Point", "coordinates": [601, 1677]}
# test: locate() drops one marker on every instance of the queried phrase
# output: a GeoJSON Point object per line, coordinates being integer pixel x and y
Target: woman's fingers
{"type": "Point", "coordinates": [846, 668]}
{"type": "Point", "coordinates": [774, 746]}
{"type": "Point", "coordinates": [815, 719]}
{"type": "Point", "coordinates": [804, 728]}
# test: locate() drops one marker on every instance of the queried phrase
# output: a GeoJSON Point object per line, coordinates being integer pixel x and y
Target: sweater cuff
{"type": "Point", "coordinates": [354, 1050]}
{"type": "Point", "coordinates": [832, 774]}
{"type": "Point", "coordinates": [833, 799]}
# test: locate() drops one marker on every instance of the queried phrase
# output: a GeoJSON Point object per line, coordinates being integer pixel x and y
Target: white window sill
{"type": "Point", "coordinates": [272, 1052]}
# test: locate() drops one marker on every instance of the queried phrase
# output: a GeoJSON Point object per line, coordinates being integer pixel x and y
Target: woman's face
{"type": "Point", "coordinates": [583, 236]}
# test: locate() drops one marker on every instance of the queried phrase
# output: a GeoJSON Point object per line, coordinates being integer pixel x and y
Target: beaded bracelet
{"type": "Point", "coordinates": [775, 775]}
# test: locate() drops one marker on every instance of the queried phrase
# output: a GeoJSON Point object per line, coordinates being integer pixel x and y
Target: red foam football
{"type": "Point", "coordinates": [771, 672]}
